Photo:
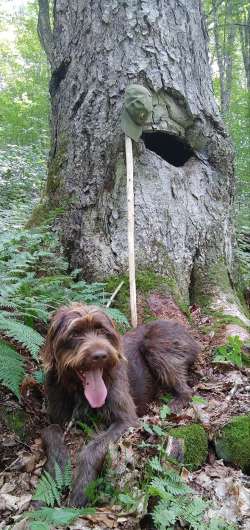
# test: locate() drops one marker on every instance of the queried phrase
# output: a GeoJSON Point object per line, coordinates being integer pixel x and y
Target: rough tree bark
{"type": "Point", "coordinates": [183, 194]}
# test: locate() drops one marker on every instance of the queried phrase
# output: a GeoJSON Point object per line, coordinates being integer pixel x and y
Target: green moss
{"type": "Point", "coordinates": [16, 422]}
{"type": "Point", "coordinates": [146, 282]}
{"type": "Point", "coordinates": [56, 164]}
{"type": "Point", "coordinates": [195, 444]}
{"type": "Point", "coordinates": [205, 284]}
{"type": "Point", "coordinates": [43, 214]}
{"type": "Point", "coordinates": [221, 319]}
{"type": "Point", "coordinates": [233, 443]}
{"type": "Point", "coordinates": [39, 214]}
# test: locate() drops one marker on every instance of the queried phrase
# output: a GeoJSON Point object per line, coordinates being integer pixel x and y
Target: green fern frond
{"type": "Point", "coordinates": [165, 515]}
{"type": "Point", "coordinates": [28, 337]}
{"type": "Point", "coordinates": [58, 516]}
{"type": "Point", "coordinates": [67, 474]}
{"type": "Point", "coordinates": [58, 477]}
{"type": "Point", "coordinates": [47, 490]}
{"type": "Point", "coordinates": [155, 464]}
{"type": "Point", "coordinates": [116, 315]}
{"type": "Point", "coordinates": [157, 488]}
{"type": "Point", "coordinates": [39, 525]}
{"type": "Point", "coordinates": [11, 368]}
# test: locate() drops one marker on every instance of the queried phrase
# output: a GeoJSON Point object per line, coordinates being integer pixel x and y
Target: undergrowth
{"type": "Point", "coordinates": [231, 352]}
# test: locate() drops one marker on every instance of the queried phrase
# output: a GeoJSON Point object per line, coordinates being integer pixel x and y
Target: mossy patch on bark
{"type": "Point", "coordinates": [195, 444]}
{"type": "Point", "coordinates": [146, 282]}
{"type": "Point", "coordinates": [42, 213]}
{"type": "Point", "coordinates": [206, 281]}
{"type": "Point", "coordinates": [233, 443]}
{"type": "Point", "coordinates": [55, 166]}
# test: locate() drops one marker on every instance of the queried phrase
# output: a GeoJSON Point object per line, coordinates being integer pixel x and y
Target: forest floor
{"type": "Point", "coordinates": [223, 390]}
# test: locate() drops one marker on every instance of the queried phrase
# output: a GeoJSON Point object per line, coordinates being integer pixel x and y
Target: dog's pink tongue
{"type": "Point", "coordinates": [94, 388]}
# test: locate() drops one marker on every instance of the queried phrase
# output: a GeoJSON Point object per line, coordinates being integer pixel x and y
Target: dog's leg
{"type": "Point", "coordinates": [91, 461]}
{"type": "Point", "coordinates": [60, 402]}
{"type": "Point", "coordinates": [182, 393]}
{"type": "Point", "coordinates": [120, 408]}
{"type": "Point", "coordinates": [55, 448]}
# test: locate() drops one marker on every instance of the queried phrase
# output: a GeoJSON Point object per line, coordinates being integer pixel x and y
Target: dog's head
{"type": "Point", "coordinates": [82, 341]}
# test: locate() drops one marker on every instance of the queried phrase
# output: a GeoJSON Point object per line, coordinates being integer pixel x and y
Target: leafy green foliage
{"type": "Point", "coordinates": [24, 335]}
{"type": "Point", "coordinates": [237, 114]}
{"type": "Point", "coordinates": [11, 368]}
{"type": "Point", "coordinates": [178, 502]}
{"type": "Point", "coordinates": [164, 412]}
{"type": "Point", "coordinates": [199, 400]}
{"type": "Point", "coordinates": [231, 352]}
{"type": "Point", "coordinates": [24, 77]}
{"type": "Point", "coordinates": [49, 490]}
{"type": "Point", "coordinates": [57, 516]}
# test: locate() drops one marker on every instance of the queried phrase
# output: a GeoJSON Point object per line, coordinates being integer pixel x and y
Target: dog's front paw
{"type": "Point", "coordinates": [177, 404]}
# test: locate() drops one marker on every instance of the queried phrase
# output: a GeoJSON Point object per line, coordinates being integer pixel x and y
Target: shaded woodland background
{"type": "Point", "coordinates": [24, 106]}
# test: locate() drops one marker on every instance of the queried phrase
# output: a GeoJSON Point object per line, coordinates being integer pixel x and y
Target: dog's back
{"type": "Point", "coordinates": [159, 355]}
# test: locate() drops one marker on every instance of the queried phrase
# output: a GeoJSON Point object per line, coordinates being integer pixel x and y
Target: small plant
{"type": "Point", "coordinates": [50, 518]}
{"type": "Point", "coordinates": [11, 368]}
{"type": "Point", "coordinates": [231, 352]}
{"type": "Point", "coordinates": [178, 502]}
{"type": "Point", "coordinates": [49, 490]}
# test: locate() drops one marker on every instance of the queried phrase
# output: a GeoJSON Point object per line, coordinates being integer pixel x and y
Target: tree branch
{"type": "Point", "coordinates": [44, 30]}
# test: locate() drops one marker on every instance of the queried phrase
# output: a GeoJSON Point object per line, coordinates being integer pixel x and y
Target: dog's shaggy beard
{"type": "Point", "coordinates": [91, 373]}
{"type": "Point", "coordinates": [83, 342]}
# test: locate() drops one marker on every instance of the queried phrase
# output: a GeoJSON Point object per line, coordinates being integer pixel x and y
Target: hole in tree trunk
{"type": "Point", "coordinates": [170, 147]}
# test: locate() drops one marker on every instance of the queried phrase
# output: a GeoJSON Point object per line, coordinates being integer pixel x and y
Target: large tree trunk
{"type": "Point", "coordinates": [183, 194]}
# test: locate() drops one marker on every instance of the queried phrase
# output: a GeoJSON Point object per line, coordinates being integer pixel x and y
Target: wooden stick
{"type": "Point", "coordinates": [114, 294]}
{"type": "Point", "coordinates": [131, 223]}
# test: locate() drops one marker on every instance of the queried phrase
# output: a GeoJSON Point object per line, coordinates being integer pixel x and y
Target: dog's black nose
{"type": "Point", "coordinates": [99, 356]}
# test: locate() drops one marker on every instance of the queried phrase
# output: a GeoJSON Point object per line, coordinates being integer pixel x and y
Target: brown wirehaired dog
{"type": "Point", "coordinates": [88, 366]}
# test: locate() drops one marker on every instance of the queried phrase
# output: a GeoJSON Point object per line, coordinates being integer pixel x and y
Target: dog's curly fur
{"type": "Point", "coordinates": [83, 338]}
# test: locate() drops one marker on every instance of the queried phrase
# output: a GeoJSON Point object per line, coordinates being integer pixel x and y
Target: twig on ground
{"type": "Point", "coordinates": [114, 294]}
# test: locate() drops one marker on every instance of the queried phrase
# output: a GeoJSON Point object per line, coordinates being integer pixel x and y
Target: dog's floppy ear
{"type": "Point", "coordinates": [47, 354]}
{"type": "Point", "coordinates": [48, 351]}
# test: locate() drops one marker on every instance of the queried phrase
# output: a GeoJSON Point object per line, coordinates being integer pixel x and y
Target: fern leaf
{"type": "Point", "coordinates": [58, 477]}
{"type": "Point", "coordinates": [11, 368]}
{"type": "Point", "coordinates": [117, 315]}
{"type": "Point", "coordinates": [47, 491]}
{"type": "Point", "coordinates": [155, 464]}
{"type": "Point", "coordinates": [28, 337]}
{"type": "Point", "coordinates": [58, 516]}
{"type": "Point", "coordinates": [55, 493]}
{"type": "Point", "coordinates": [67, 474]}
{"type": "Point", "coordinates": [165, 515]}
{"type": "Point", "coordinates": [39, 525]}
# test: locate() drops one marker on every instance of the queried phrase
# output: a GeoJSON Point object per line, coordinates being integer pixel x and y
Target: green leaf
{"type": "Point", "coordinates": [155, 464]}
{"type": "Point", "coordinates": [199, 400]}
{"type": "Point", "coordinates": [11, 368]}
{"type": "Point", "coordinates": [164, 412]}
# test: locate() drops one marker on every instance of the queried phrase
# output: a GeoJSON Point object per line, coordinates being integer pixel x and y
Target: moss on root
{"type": "Point", "coordinates": [56, 164]}
{"type": "Point", "coordinates": [233, 443]}
{"type": "Point", "coordinates": [42, 213]}
{"type": "Point", "coordinates": [195, 444]}
{"type": "Point", "coordinates": [146, 282]}
{"type": "Point", "coordinates": [205, 284]}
